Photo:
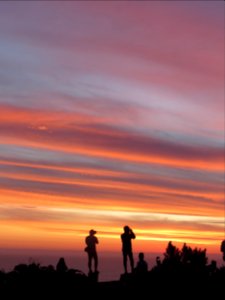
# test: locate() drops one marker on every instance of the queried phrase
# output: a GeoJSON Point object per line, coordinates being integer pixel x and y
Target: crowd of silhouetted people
{"type": "Point", "coordinates": [187, 268]}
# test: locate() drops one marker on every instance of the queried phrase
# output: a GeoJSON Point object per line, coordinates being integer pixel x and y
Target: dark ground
{"type": "Point", "coordinates": [35, 283]}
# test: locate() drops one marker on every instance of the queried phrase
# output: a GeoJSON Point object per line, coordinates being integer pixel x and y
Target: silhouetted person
{"type": "Point", "coordinates": [126, 238]}
{"type": "Point", "coordinates": [212, 267]}
{"type": "Point", "coordinates": [222, 249]}
{"type": "Point", "coordinates": [61, 265]}
{"type": "Point", "coordinates": [142, 266]}
{"type": "Point", "coordinates": [91, 241]}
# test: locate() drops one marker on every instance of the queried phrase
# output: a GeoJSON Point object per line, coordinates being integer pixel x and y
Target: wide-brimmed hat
{"type": "Point", "coordinates": [92, 231]}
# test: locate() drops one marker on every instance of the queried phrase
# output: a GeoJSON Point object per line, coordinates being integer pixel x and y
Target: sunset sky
{"type": "Point", "coordinates": [111, 114]}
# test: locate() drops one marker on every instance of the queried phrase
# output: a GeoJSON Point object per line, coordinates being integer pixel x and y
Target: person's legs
{"type": "Point", "coordinates": [131, 261]}
{"type": "Point", "coordinates": [95, 256]}
{"type": "Point", "coordinates": [125, 261]}
{"type": "Point", "coordinates": [89, 262]}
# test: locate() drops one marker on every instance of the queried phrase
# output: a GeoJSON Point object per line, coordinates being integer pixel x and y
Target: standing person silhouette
{"type": "Point", "coordinates": [91, 241]}
{"type": "Point", "coordinates": [126, 238]}
{"type": "Point", "coordinates": [222, 249]}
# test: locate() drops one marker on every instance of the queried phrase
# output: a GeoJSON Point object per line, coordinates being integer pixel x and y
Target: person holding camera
{"type": "Point", "coordinates": [126, 238]}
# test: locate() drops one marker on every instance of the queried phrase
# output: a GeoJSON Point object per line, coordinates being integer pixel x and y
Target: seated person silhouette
{"type": "Point", "coordinates": [91, 241]}
{"type": "Point", "coordinates": [61, 265]}
{"type": "Point", "coordinates": [126, 238]}
{"type": "Point", "coordinates": [142, 266]}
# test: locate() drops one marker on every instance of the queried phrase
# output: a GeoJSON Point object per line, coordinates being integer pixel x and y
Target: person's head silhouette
{"type": "Point", "coordinates": [92, 232]}
{"type": "Point", "coordinates": [141, 256]}
{"type": "Point", "coordinates": [126, 229]}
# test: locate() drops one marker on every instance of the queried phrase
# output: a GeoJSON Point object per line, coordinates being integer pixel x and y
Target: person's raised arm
{"type": "Point", "coordinates": [133, 236]}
